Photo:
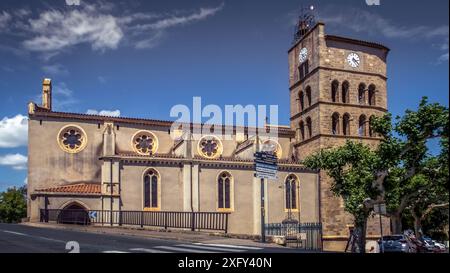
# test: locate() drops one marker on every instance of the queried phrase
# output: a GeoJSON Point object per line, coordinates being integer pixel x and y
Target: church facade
{"type": "Point", "coordinates": [117, 163]}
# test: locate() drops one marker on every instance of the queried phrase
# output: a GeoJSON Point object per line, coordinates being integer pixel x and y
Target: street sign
{"type": "Point", "coordinates": [380, 208]}
{"type": "Point", "coordinates": [92, 214]}
{"type": "Point", "coordinates": [265, 165]}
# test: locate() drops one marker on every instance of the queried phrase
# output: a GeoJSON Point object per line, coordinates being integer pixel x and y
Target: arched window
{"type": "Point", "coordinates": [335, 124]}
{"type": "Point", "coordinates": [291, 185]}
{"type": "Point", "coordinates": [302, 131]}
{"type": "Point", "coordinates": [362, 93]}
{"type": "Point", "coordinates": [309, 127]}
{"type": "Point", "coordinates": [151, 179]}
{"type": "Point", "coordinates": [372, 89]}
{"type": "Point", "coordinates": [301, 98]}
{"type": "Point", "coordinates": [345, 95]}
{"type": "Point", "coordinates": [308, 95]}
{"type": "Point", "coordinates": [334, 91]}
{"type": "Point", "coordinates": [362, 126]}
{"type": "Point", "coordinates": [346, 124]}
{"type": "Point", "coordinates": [371, 132]}
{"type": "Point", "coordinates": [224, 188]}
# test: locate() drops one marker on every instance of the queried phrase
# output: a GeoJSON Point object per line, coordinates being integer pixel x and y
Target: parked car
{"type": "Point", "coordinates": [398, 243]}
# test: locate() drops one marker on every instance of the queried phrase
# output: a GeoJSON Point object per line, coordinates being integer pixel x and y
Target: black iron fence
{"type": "Point", "coordinates": [166, 219]}
{"type": "Point", "coordinates": [304, 235]}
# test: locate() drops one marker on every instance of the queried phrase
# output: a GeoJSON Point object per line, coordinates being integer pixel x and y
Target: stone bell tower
{"type": "Point", "coordinates": [336, 85]}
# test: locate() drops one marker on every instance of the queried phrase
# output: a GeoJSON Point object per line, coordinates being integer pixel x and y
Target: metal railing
{"type": "Point", "coordinates": [166, 219]}
{"type": "Point", "coordinates": [304, 235]}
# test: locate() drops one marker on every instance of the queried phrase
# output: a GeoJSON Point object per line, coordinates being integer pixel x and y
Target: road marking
{"type": "Point", "coordinates": [230, 246]}
{"type": "Point", "coordinates": [114, 251]}
{"type": "Point", "coordinates": [16, 233]}
{"type": "Point", "coordinates": [185, 250]}
{"type": "Point", "coordinates": [31, 236]}
{"type": "Point", "coordinates": [212, 248]}
{"type": "Point", "coordinates": [149, 250]}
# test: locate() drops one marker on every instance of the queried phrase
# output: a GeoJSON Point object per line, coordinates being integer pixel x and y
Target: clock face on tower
{"type": "Point", "coordinates": [353, 60]}
{"type": "Point", "coordinates": [303, 54]}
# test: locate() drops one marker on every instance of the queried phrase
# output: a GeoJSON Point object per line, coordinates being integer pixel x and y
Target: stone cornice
{"type": "Point", "coordinates": [361, 106]}
{"type": "Point", "coordinates": [299, 82]}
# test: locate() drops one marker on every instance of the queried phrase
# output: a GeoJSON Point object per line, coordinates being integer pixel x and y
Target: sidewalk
{"type": "Point", "coordinates": [176, 235]}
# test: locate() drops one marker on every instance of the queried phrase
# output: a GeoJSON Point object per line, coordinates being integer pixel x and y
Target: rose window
{"type": "Point", "coordinates": [210, 147]}
{"type": "Point", "coordinates": [145, 143]}
{"type": "Point", "coordinates": [72, 139]}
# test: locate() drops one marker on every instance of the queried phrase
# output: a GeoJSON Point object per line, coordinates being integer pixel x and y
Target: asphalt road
{"type": "Point", "coordinates": [28, 239]}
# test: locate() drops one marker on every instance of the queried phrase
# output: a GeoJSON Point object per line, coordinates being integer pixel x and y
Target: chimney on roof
{"type": "Point", "coordinates": [47, 94]}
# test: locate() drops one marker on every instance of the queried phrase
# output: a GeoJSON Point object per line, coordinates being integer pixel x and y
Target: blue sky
{"type": "Point", "coordinates": [143, 57]}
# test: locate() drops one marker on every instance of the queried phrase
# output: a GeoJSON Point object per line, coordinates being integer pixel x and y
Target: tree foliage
{"type": "Point", "coordinates": [13, 205]}
{"type": "Point", "coordinates": [396, 172]}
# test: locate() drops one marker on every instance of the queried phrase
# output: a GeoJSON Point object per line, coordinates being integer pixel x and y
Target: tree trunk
{"type": "Point", "coordinates": [418, 227]}
{"type": "Point", "coordinates": [360, 230]}
{"type": "Point", "coordinates": [396, 220]}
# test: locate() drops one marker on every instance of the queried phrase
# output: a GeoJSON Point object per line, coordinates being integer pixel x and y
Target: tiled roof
{"type": "Point", "coordinates": [85, 188]}
{"type": "Point", "coordinates": [354, 41]}
{"type": "Point", "coordinates": [42, 112]}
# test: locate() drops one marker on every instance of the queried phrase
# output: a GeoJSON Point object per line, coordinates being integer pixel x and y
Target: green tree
{"type": "Point", "coordinates": [353, 168]}
{"type": "Point", "coordinates": [389, 173]}
{"type": "Point", "coordinates": [409, 171]}
{"type": "Point", "coordinates": [13, 205]}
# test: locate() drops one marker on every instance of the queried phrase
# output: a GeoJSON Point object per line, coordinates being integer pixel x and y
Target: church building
{"type": "Point", "coordinates": [95, 162]}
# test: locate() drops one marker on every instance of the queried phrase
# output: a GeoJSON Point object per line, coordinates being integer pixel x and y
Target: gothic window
{"type": "Point", "coordinates": [308, 95]}
{"type": "Point", "coordinates": [303, 69]}
{"type": "Point", "coordinates": [301, 98]}
{"type": "Point", "coordinates": [145, 143]}
{"type": "Point", "coordinates": [72, 139]}
{"type": "Point", "coordinates": [291, 185]}
{"type": "Point", "coordinates": [151, 181]}
{"type": "Point", "coordinates": [302, 131]}
{"type": "Point", "coordinates": [309, 127]}
{"type": "Point", "coordinates": [372, 94]}
{"type": "Point", "coordinates": [334, 91]}
{"type": "Point", "coordinates": [335, 124]}
{"type": "Point", "coordinates": [224, 188]}
{"type": "Point", "coordinates": [362, 126]}
{"type": "Point", "coordinates": [362, 93]}
{"type": "Point", "coordinates": [210, 147]}
{"type": "Point", "coordinates": [371, 133]}
{"type": "Point", "coordinates": [346, 124]}
{"type": "Point", "coordinates": [345, 91]}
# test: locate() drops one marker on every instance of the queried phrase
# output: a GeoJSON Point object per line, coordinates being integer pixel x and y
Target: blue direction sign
{"type": "Point", "coordinates": [92, 214]}
{"type": "Point", "coordinates": [265, 165]}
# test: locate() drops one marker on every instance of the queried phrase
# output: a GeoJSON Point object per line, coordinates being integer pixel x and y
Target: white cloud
{"type": "Point", "coordinates": [25, 181]}
{"type": "Point", "coordinates": [15, 161]}
{"type": "Point", "coordinates": [4, 19]}
{"type": "Point", "coordinates": [55, 70]}
{"type": "Point", "coordinates": [55, 30]}
{"type": "Point", "coordinates": [109, 113]}
{"type": "Point", "coordinates": [14, 131]}
{"type": "Point", "coordinates": [172, 21]}
{"type": "Point", "coordinates": [101, 79]}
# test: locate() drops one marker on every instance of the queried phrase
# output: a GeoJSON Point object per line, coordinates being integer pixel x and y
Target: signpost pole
{"type": "Point", "coordinates": [263, 225]}
{"type": "Point", "coordinates": [381, 230]}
